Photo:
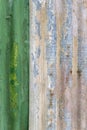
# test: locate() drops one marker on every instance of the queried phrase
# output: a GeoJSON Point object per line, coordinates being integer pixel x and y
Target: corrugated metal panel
{"type": "Point", "coordinates": [58, 65]}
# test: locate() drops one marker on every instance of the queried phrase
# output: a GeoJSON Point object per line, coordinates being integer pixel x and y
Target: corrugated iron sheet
{"type": "Point", "coordinates": [58, 65]}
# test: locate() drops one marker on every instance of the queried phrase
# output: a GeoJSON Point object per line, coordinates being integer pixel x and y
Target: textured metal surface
{"type": "Point", "coordinates": [58, 65]}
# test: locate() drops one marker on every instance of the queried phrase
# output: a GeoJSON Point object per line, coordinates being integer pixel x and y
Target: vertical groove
{"type": "Point", "coordinates": [58, 81]}
{"type": "Point", "coordinates": [51, 50]}
{"type": "Point", "coordinates": [83, 63]}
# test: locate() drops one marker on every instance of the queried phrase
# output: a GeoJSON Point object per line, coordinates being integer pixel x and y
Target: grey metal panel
{"type": "Point", "coordinates": [58, 70]}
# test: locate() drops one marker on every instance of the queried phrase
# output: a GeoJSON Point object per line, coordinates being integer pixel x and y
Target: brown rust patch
{"type": "Point", "coordinates": [51, 93]}
{"type": "Point", "coordinates": [79, 72]}
{"type": "Point", "coordinates": [70, 71]}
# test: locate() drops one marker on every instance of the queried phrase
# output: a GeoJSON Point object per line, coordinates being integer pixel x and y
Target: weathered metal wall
{"type": "Point", "coordinates": [58, 65]}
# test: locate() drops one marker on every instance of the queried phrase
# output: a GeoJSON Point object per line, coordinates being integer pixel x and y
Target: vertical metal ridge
{"type": "Point", "coordinates": [66, 66]}
{"type": "Point", "coordinates": [38, 63]}
{"type": "Point", "coordinates": [58, 69]}
{"type": "Point", "coordinates": [83, 63]}
{"type": "Point", "coordinates": [43, 87]}
{"type": "Point", "coordinates": [51, 49]}
{"type": "Point", "coordinates": [75, 66]}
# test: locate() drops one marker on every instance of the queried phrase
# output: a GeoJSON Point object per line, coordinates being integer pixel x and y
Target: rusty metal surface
{"type": "Point", "coordinates": [58, 65]}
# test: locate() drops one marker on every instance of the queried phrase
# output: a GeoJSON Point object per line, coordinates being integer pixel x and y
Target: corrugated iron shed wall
{"type": "Point", "coordinates": [58, 65]}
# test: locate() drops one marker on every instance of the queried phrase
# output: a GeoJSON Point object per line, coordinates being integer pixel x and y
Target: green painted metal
{"type": "Point", "coordinates": [14, 64]}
